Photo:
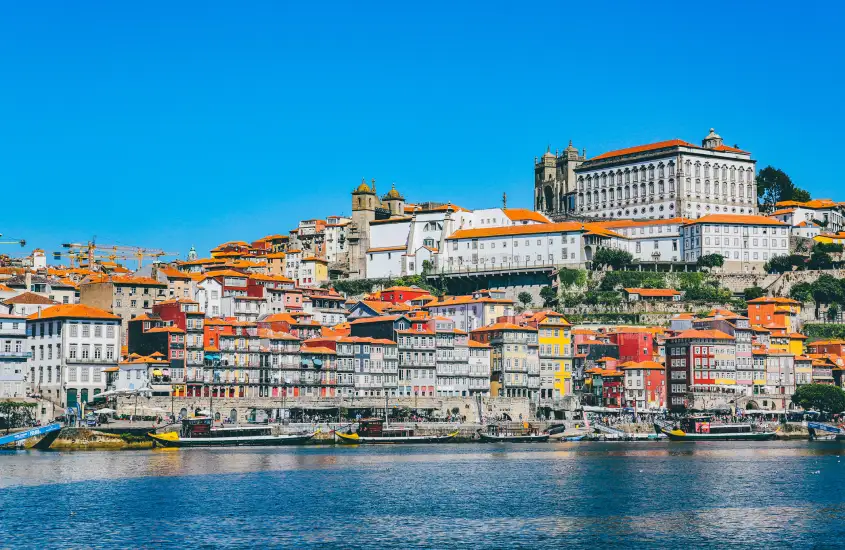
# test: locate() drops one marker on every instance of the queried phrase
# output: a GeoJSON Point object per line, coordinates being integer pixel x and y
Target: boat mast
{"type": "Point", "coordinates": [386, 410]}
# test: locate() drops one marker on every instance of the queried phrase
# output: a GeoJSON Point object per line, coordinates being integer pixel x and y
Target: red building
{"type": "Point", "coordinates": [694, 358]}
{"type": "Point", "coordinates": [645, 385]}
{"type": "Point", "coordinates": [400, 294]}
{"type": "Point", "coordinates": [634, 344]}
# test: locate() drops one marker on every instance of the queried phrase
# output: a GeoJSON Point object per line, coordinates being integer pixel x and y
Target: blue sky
{"type": "Point", "coordinates": [171, 124]}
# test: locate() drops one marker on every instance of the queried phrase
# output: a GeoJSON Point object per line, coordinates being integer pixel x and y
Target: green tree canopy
{"type": "Point", "coordinates": [612, 257]}
{"type": "Point", "coordinates": [774, 186]}
{"type": "Point", "coordinates": [525, 298]}
{"type": "Point", "coordinates": [549, 296]}
{"type": "Point", "coordinates": [803, 292]}
{"type": "Point", "coordinates": [830, 248]}
{"type": "Point", "coordinates": [827, 290]}
{"type": "Point", "coordinates": [820, 397]}
{"type": "Point", "coordinates": [753, 292]}
{"type": "Point", "coordinates": [784, 264]}
{"type": "Point", "coordinates": [710, 260]}
{"type": "Point", "coordinates": [820, 260]}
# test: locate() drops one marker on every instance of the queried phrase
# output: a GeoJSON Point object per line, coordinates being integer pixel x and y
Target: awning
{"type": "Point", "coordinates": [156, 372]}
{"type": "Point", "coordinates": [165, 372]}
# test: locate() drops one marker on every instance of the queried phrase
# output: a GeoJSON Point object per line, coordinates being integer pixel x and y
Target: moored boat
{"type": "Point", "coordinates": [373, 431]}
{"type": "Point", "coordinates": [831, 433]}
{"type": "Point", "coordinates": [702, 428]}
{"type": "Point", "coordinates": [200, 432]}
{"type": "Point", "coordinates": [503, 434]}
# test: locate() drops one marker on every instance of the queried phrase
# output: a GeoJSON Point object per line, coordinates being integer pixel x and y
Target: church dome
{"type": "Point", "coordinates": [363, 188]}
{"type": "Point", "coordinates": [393, 194]}
{"type": "Point", "coordinates": [570, 148]}
{"type": "Point", "coordinates": [713, 134]}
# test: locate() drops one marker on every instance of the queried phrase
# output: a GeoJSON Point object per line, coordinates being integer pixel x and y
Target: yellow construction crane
{"type": "Point", "coordinates": [112, 251]}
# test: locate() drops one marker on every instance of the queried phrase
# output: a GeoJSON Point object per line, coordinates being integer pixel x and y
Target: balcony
{"type": "Point", "coordinates": [15, 354]}
{"type": "Point", "coordinates": [90, 361]}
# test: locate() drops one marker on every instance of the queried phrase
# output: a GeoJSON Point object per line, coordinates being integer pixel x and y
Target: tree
{"type": "Point", "coordinates": [525, 298]}
{"type": "Point", "coordinates": [803, 292]}
{"type": "Point", "coordinates": [774, 186]}
{"type": "Point", "coordinates": [753, 292]}
{"type": "Point", "coordinates": [16, 414]}
{"type": "Point", "coordinates": [820, 260]}
{"type": "Point", "coordinates": [833, 313]}
{"type": "Point", "coordinates": [710, 261]}
{"type": "Point", "coordinates": [549, 296]}
{"type": "Point", "coordinates": [820, 397]}
{"type": "Point", "coordinates": [827, 290]}
{"type": "Point", "coordinates": [427, 266]}
{"type": "Point", "coordinates": [612, 257]}
{"type": "Point", "coordinates": [830, 248]}
{"type": "Point", "coordinates": [784, 264]}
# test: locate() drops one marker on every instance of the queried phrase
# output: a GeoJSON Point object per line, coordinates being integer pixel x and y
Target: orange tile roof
{"type": "Point", "coordinates": [72, 311]}
{"type": "Point", "coordinates": [774, 300]}
{"type": "Point", "coordinates": [615, 224]}
{"type": "Point", "coordinates": [124, 280]}
{"type": "Point", "coordinates": [474, 344]}
{"type": "Point", "coordinates": [652, 291]}
{"type": "Point", "coordinates": [532, 229]}
{"type": "Point", "coordinates": [814, 204]}
{"type": "Point", "coordinates": [644, 148]}
{"type": "Point", "coordinates": [320, 350]}
{"type": "Point", "coordinates": [737, 219]}
{"type": "Point", "coordinates": [826, 343]}
{"type": "Point", "coordinates": [781, 212]}
{"type": "Point", "coordinates": [523, 214]}
{"type": "Point", "coordinates": [29, 298]}
{"type": "Point", "coordinates": [647, 365]}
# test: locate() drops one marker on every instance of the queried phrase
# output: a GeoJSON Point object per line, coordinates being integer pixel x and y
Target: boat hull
{"type": "Point", "coordinates": [487, 438]}
{"type": "Point", "coordinates": [355, 439]}
{"type": "Point", "coordinates": [254, 441]}
{"type": "Point", "coordinates": [678, 435]}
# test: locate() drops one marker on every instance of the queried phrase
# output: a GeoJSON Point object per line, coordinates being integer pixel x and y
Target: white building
{"type": "Point", "coordinates": [472, 311]}
{"type": "Point", "coordinates": [651, 240]}
{"type": "Point", "coordinates": [817, 213]}
{"type": "Point", "coordinates": [668, 179]}
{"type": "Point", "coordinates": [70, 346]}
{"type": "Point", "coordinates": [337, 250]}
{"type": "Point", "coordinates": [553, 244]}
{"type": "Point", "coordinates": [479, 368]}
{"type": "Point", "coordinates": [13, 356]}
{"type": "Point", "coordinates": [747, 242]}
{"type": "Point", "coordinates": [209, 295]}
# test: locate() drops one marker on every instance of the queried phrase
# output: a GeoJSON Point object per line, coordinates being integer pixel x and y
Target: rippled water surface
{"type": "Point", "coordinates": [557, 495]}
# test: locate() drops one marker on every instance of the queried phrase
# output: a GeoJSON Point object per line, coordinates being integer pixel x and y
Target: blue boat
{"type": "Point", "coordinates": [16, 437]}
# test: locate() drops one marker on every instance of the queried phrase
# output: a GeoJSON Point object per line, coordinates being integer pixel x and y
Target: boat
{"type": "Point", "coordinates": [702, 428]}
{"type": "Point", "coordinates": [832, 433]}
{"type": "Point", "coordinates": [200, 432]}
{"type": "Point", "coordinates": [504, 434]}
{"type": "Point", "coordinates": [373, 431]}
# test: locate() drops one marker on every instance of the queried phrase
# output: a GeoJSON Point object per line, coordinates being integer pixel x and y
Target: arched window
{"type": "Point", "coordinates": [733, 189]}
{"type": "Point", "coordinates": [724, 172]}
{"type": "Point", "coordinates": [748, 192]}
{"type": "Point", "coordinates": [741, 191]}
{"type": "Point", "coordinates": [628, 192]}
{"type": "Point", "coordinates": [733, 173]}
{"type": "Point", "coordinates": [707, 187]}
{"type": "Point", "coordinates": [636, 175]}
{"type": "Point", "coordinates": [671, 185]}
{"type": "Point", "coordinates": [651, 172]}
{"type": "Point", "coordinates": [651, 188]}
{"type": "Point", "coordinates": [671, 169]}
{"type": "Point", "coordinates": [715, 171]}
{"type": "Point", "coordinates": [660, 186]}
{"type": "Point", "coordinates": [688, 167]}
{"type": "Point", "coordinates": [636, 188]}
{"type": "Point", "coordinates": [698, 186]}
{"type": "Point", "coordinates": [618, 177]}
{"type": "Point", "coordinates": [706, 169]}
{"type": "Point", "coordinates": [611, 194]}
{"type": "Point", "coordinates": [627, 176]}
{"type": "Point", "coordinates": [716, 188]}
{"type": "Point", "coordinates": [698, 169]}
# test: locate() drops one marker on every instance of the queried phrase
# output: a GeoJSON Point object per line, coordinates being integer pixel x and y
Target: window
{"type": "Point", "coordinates": [86, 330]}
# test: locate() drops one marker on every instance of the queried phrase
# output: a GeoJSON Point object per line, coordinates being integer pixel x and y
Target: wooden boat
{"type": "Point", "coordinates": [830, 432]}
{"type": "Point", "coordinates": [701, 428]}
{"type": "Point", "coordinates": [372, 431]}
{"type": "Point", "coordinates": [200, 432]}
{"type": "Point", "coordinates": [503, 434]}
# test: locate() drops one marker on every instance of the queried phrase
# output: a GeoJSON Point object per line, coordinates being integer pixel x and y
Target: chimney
{"type": "Point", "coordinates": [28, 280]}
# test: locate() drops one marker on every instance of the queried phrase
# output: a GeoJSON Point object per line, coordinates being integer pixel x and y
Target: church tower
{"type": "Point", "coordinates": [364, 204]}
{"type": "Point", "coordinates": [395, 202]}
{"type": "Point", "coordinates": [554, 181]}
{"type": "Point", "coordinates": [712, 140]}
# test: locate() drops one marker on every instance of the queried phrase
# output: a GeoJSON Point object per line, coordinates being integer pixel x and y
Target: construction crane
{"type": "Point", "coordinates": [21, 242]}
{"type": "Point", "coordinates": [88, 250]}
{"type": "Point", "coordinates": [82, 258]}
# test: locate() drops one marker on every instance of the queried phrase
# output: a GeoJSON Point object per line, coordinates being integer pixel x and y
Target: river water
{"type": "Point", "coordinates": [555, 495]}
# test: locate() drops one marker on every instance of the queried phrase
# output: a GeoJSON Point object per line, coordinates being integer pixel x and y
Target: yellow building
{"type": "Point", "coordinates": [555, 341]}
{"type": "Point", "coordinates": [796, 343]}
{"type": "Point", "coordinates": [313, 271]}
